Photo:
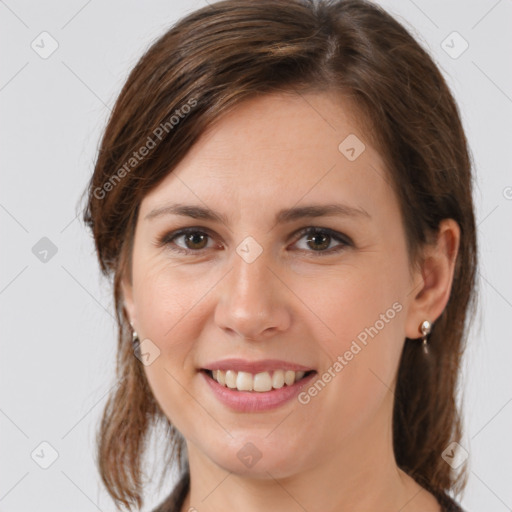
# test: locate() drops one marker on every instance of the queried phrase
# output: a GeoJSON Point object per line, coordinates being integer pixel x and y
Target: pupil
{"type": "Point", "coordinates": [192, 237]}
{"type": "Point", "coordinates": [313, 237]}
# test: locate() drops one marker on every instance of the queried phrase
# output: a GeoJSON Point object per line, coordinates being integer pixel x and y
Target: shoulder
{"type": "Point", "coordinates": [174, 502]}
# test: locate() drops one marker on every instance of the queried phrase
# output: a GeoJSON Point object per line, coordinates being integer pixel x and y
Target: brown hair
{"type": "Point", "coordinates": [232, 50]}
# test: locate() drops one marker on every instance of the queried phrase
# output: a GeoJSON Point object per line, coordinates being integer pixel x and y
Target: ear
{"type": "Point", "coordinates": [433, 281]}
{"type": "Point", "coordinates": [129, 305]}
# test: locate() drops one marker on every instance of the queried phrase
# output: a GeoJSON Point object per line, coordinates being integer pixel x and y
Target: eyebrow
{"type": "Point", "coordinates": [283, 216]}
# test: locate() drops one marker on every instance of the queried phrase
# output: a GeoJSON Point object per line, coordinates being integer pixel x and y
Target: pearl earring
{"type": "Point", "coordinates": [425, 329]}
{"type": "Point", "coordinates": [135, 336]}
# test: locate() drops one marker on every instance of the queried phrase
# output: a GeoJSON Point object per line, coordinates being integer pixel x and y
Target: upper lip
{"type": "Point", "coordinates": [262, 365]}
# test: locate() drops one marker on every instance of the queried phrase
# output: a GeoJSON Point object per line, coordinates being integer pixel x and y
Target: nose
{"type": "Point", "coordinates": [252, 302]}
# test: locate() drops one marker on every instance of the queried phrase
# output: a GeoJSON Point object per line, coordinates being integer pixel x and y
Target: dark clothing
{"type": "Point", "coordinates": [174, 501]}
{"type": "Point", "coordinates": [447, 503]}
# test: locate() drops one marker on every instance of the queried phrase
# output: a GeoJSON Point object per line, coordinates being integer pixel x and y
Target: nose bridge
{"type": "Point", "coordinates": [251, 302]}
{"type": "Point", "coordinates": [251, 279]}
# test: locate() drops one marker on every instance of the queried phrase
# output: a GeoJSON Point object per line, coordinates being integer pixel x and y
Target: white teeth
{"type": "Point", "coordinates": [230, 379]}
{"type": "Point", "coordinates": [220, 377]}
{"type": "Point", "coordinates": [278, 379]}
{"type": "Point", "coordinates": [299, 375]}
{"type": "Point", "coordinates": [289, 377]}
{"type": "Point", "coordinates": [244, 381]}
{"type": "Point", "coordinates": [261, 382]}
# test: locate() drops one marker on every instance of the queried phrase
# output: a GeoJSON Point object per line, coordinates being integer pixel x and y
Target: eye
{"type": "Point", "coordinates": [319, 239]}
{"type": "Point", "coordinates": [194, 240]}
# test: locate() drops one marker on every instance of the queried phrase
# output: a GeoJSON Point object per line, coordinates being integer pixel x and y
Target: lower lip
{"type": "Point", "coordinates": [254, 401]}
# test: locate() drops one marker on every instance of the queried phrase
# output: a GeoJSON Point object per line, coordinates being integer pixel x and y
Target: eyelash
{"type": "Point", "coordinates": [167, 239]}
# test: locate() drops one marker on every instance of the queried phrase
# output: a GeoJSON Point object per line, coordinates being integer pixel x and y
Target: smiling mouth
{"type": "Point", "coordinates": [260, 382]}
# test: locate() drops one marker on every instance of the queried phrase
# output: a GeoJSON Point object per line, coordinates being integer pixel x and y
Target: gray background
{"type": "Point", "coordinates": [58, 332]}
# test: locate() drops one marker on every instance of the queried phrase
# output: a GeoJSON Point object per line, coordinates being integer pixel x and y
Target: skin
{"type": "Point", "coordinates": [292, 303]}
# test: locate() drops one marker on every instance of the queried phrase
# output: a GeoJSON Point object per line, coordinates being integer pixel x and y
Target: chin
{"type": "Point", "coordinates": [262, 469]}
{"type": "Point", "coordinates": [257, 457]}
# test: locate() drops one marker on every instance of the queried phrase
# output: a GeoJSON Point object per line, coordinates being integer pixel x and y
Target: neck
{"type": "Point", "coordinates": [359, 474]}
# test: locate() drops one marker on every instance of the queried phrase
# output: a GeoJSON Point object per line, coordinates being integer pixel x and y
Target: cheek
{"type": "Point", "coordinates": [365, 318]}
{"type": "Point", "coordinates": [167, 300]}
{"type": "Point", "coordinates": [360, 303]}
{"type": "Point", "coordinates": [167, 306]}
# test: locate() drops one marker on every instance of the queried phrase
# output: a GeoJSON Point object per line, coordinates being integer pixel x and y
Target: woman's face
{"type": "Point", "coordinates": [254, 287]}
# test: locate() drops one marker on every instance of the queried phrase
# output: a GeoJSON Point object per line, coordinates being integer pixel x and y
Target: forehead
{"type": "Point", "coordinates": [279, 150]}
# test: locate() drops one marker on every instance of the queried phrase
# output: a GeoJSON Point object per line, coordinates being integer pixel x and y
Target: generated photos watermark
{"type": "Point", "coordinates": [158, 134]}
{"type": "Point", "coordinates": [344, 359]}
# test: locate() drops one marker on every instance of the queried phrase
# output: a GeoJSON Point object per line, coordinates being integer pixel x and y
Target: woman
{"type": "Point", "coordinates": [283, 196]}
